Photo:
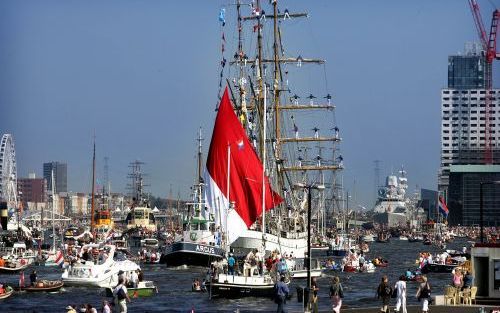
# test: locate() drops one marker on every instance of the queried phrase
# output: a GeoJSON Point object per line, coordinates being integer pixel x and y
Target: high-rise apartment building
{"type": "Point", "coordinates": [463, 120]}
{"type": "Point", "coordinates": [60, 174]}
{"type": "Point", "coordinates": [463, 115]}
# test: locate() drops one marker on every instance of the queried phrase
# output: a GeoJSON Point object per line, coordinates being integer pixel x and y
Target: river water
{"type": "Point", "coordinates": [174, 287]}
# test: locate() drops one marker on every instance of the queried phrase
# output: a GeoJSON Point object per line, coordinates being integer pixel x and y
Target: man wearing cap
{"type": "Point", "coordinates": [281, 292]}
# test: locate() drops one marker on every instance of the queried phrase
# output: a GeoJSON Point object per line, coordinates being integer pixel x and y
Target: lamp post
{"type": "Point", "coordinates": [481, 210]}
{"type": "Point", "coordinates": [309, 187]}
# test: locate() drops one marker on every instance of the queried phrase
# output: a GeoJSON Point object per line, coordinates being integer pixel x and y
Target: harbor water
{"type": "Point", "coordinates": [175, 295]}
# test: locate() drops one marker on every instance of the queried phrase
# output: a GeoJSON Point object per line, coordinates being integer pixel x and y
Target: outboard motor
{"type": "Point", "coordinates": [4, 215]}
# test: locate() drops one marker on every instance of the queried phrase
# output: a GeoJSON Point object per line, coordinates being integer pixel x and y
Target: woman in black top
{"type": "Point", "coordinates": [384, 291]}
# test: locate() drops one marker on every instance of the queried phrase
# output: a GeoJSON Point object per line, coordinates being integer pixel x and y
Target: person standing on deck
{"type": "Point", "coordinates": [230, 264]}
{"type": "Point", "coordinates": [401, 294]}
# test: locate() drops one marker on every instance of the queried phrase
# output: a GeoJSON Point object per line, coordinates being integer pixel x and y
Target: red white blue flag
{"type": "Point", "coordinates": [59, 258]}
{"type": "Point", "coordinates": [443, 208]}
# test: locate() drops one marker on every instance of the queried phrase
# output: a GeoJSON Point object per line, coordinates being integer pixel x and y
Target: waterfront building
{"type": "Point", "coordinates": [79, 204]}
{"type": "Point", "coordinates": [32, 191]}
{"type": "Point", "coordinates": [428, 201]}
{"type": "Point", "coordinates": [463, 118]}
{"type": "Point", "coordinates": [60, 174]}
{"type": "Point", "coordinates": [464, 195]}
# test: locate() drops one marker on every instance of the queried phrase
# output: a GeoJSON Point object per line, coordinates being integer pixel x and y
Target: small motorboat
{"type": "Point", "coordinates": [8, 292]}
{"type": "Point", "coordinates": [368, 238]}
{"type": "Point", "coordinates": [44, 286]}
{"type": "Point", "coordinates": [438, 268]}
{"type": "Point", "coordinates": [11, 266]}
{"type": "Point", "coordinates": [415, 278]}
{"type": "Point", "coordinates": [415, 239]}
{"type": "Point", "coordinates": [382, 264]}
{"type": "Point", "coordinates": [350, 269]}
{"type": "Point", "coordinates": [403, 238]}
{"type": "Point", "coordinates": [383, 238]}
{"type": "Point", "coordinates": [144, 289]}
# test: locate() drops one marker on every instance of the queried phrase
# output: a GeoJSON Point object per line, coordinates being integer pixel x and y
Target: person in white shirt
{"type": "Point", "coordinates": [121, 296]}
{"type": "Point", "coordinates": [134, 279]}
{"type": "Point", "coordinates": [401, 294]}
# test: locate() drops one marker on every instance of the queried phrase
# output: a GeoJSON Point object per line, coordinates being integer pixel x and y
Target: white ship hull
{"type": "Point", "coordinates": [303, 273]}
{"type": "Point", "coordinates": [103, 281]}
{"type": "Point", "coordinates": [251, 239]}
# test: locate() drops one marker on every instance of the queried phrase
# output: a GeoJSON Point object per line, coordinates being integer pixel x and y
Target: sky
{"type": "Point", "coordinates": [143, 77]}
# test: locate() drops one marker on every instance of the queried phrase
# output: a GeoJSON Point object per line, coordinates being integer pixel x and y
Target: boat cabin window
{"type": "Point", "coordinates": [138, 214]}
{"type": "Point", "coordinates": [196, 226]}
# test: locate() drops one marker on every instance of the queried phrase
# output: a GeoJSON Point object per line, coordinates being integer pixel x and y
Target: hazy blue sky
{"type": "Point", "coordinates": [144, 76]}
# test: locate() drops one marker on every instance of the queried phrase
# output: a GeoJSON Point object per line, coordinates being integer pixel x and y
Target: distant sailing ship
{"type": "Point", "coordinates": [200, 242]}
{"type": "Point", "coordinates": [141, 216]}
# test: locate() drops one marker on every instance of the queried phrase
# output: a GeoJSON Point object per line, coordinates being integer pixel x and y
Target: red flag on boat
{"type": "Point", "coordinates": [21, 280]}
{"type": "Point", "coordinates": [231, 150]}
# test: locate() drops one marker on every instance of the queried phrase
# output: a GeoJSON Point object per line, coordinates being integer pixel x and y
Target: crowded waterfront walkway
{"type": "Point", "coordinates": [418, 309]}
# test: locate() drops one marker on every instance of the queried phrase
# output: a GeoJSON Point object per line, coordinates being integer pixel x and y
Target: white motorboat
{"type": "Point", "coordinates": [403, 238]}
{"type": "Point", "coordinates": [100, 274]}
{"type": "Point", "coordinates": [368, 238]}
{"type": "Point", "coordinates": [18, 251]}
{"type": "Point", "coordinates": [299, 270]}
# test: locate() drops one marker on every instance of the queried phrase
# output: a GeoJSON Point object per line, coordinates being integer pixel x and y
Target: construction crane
{"type": "Point", "coordinates": [489, 45]}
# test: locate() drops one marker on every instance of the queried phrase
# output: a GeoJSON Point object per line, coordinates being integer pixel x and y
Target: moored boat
{"type": "Point", "coordinates": [13, 265]}
{"type": "Point", "coordinates": [438, 268]}
{"type": "Point", "coordinates": [7, 293]}
{"type": "Point", "coordinates": [44, 286]}
{"type": "Point", "coordinates": [143, 289]}
{"type": "Point", "coordinates": [99, 274]}
{"type": "Point", "coordinates": [232, 286]}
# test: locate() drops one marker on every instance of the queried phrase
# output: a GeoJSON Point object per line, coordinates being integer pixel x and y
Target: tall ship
{"type": "Point", "coordinates": [200, 242]}
{"type": "Point", "coordinates": [291, 126]}
{"type": "Point", "coordinates": [393, 207]}
{"type": "Point", "coordinates": [141, 215]}
{"type": "Point", "coordinates": [101, 223]}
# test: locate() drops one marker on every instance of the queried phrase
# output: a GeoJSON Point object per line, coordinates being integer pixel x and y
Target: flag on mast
{"type": "Point", "coordinates": [443, 208]}
{"type": "Point", "coordinates": [230, 150]}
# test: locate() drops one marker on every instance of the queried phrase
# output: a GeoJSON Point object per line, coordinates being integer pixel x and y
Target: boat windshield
{"type": "Point", "coordinates": [120, 256]}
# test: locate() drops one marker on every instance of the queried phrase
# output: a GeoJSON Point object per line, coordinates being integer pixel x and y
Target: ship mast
{"type": "Point", "coordinates": [200, 179]}
{"type": "Point", "coordinates": [92, 209]}
{"type": "Point", "coordinates": [276, 79]}
{"type": "Point", "coordinates": [260, 81]}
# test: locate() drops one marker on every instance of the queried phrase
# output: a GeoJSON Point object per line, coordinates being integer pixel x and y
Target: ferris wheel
{"type": "Point", "coordinates": [8, 171]}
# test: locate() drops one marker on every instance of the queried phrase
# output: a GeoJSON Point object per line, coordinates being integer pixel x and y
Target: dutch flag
{"type": "Point", "coordinates": [59, 258]}
{"type": "Point", "coordinates": [443, 209]}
